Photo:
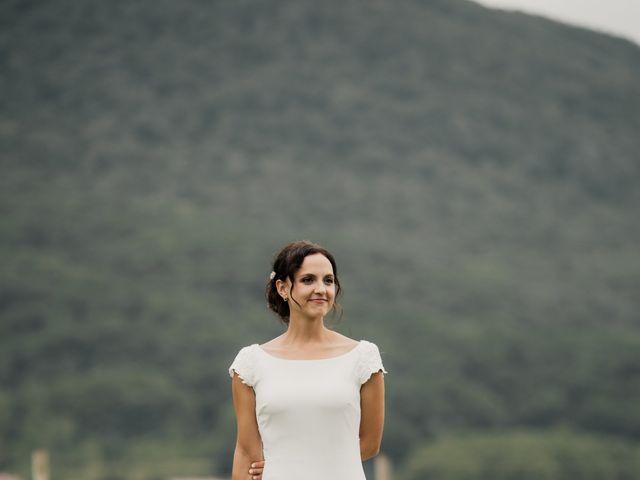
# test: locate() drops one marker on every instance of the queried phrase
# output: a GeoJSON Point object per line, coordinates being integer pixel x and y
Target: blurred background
{"type": "Point", "coordinates": [474, 171]}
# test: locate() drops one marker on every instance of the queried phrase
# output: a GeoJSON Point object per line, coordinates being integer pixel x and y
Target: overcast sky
{"type": "Point", "coordinates": [618, 17]}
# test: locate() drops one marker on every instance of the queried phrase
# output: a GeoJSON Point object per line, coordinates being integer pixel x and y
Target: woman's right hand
{"type": "Point", "coordinates": [255, 471]}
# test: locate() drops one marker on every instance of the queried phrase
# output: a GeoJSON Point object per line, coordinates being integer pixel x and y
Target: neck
{"type": "Point", "coordinates": [303, 330]}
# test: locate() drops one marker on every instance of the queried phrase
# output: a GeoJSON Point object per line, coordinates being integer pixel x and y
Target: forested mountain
{"type": "Point", "coordinates": [474, 172]}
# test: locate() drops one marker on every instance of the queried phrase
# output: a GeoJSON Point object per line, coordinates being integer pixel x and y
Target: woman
{"type": "Point", "coordinates": [310, 402]}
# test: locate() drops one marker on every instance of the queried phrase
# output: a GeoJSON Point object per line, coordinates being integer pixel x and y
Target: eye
{"type": "Point", "coordinates": [328, 280]}
{"type": "Point", "coordinates": [307, 280]}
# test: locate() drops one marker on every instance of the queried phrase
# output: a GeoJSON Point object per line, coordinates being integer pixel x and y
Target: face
{"type": "Point", "coordinates": [313, 288]}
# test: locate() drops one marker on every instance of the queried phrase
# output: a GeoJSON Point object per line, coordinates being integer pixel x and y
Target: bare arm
{"type": "Point", "coordinates": [372, 415]}
{"type": "Point", "coordinates": [248, 442]}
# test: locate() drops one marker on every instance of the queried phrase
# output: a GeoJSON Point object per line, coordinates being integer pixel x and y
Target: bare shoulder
{"type": "Point", "coordinates": [274, 344]}
{"type": "Point", "coordinates": [342, 341]}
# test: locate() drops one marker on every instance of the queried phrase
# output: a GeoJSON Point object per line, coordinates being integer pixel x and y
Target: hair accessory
{"type": "Point", "coordinates": [272, 275]}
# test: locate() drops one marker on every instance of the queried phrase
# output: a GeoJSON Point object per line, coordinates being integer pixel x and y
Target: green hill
{"type": "Point", "coordinates": [473, 171]}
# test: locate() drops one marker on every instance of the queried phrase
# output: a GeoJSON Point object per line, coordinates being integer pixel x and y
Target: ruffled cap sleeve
{"type": "Point", "coordinates": [243, 366]}
{"type": "Point", "coordinates": [370, 361]}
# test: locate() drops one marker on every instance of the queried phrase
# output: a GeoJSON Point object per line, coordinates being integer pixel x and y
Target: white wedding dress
{"type": "Point", "coordinates": [308, 411]}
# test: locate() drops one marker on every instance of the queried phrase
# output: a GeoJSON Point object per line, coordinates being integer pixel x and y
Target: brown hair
{"type": "Point", "coordinates": [287, 262]}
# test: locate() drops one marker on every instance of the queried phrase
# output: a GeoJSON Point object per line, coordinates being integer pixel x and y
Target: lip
{"type": "Point", "coordinates": [317, 300]}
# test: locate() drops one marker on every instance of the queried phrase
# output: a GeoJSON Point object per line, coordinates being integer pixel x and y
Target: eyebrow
{"type": "Point", "coordinates": [313, 275]}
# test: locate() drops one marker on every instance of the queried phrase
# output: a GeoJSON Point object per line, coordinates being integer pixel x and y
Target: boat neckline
{"type": "Point", "coordinates": [308, 359]}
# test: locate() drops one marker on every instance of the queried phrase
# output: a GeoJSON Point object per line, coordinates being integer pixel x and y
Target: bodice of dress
{"type": "Point", "coordinates": [308, 411]}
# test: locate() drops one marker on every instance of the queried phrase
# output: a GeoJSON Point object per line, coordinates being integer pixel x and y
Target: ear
{"type": "Point", "coordinates": [283, 288]}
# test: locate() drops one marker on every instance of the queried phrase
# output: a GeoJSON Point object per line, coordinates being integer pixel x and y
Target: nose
{"type": "Point", "coordinates": [320, 287]}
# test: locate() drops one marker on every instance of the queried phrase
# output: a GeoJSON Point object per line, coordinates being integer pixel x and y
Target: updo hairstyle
{"type": "Point", "coordinates": [287, 262]}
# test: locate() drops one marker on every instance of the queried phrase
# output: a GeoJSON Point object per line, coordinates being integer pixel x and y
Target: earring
{"type": "Point", "coordinates": [285, 299]}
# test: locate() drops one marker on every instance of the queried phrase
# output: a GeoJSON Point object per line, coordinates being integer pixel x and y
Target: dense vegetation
{"type": "Point", "coordinates": [525, 456]}
{"type": "Point", "coordinates": [474, 173]}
